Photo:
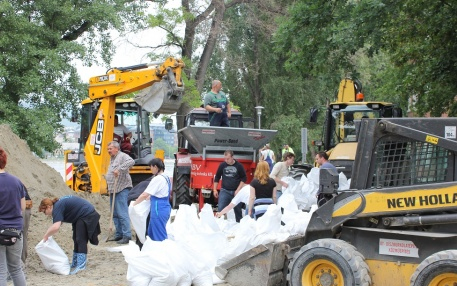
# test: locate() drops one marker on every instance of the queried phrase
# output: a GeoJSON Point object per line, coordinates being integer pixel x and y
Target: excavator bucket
{"type": "Point", "coordinates": [162, 97]}
{"type": "Point", "coordinates": [264, 264]}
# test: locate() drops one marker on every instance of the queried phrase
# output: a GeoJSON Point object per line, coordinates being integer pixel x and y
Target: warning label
{"type": "Point", "coordinates": [398, 247]}
{"type": "Point", "coordinates": [208, 131]}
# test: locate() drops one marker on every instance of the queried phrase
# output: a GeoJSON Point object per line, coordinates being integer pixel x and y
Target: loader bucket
{"type": "Point", "coordinates": [267, 265]}
{"type": "Point", "coordinates": [201, 137]}
{"type": "Point", "coordinates": [160, 98]}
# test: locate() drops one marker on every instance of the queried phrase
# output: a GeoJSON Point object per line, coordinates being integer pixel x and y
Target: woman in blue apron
{"type": "Point", "coordinates": [158, 191]}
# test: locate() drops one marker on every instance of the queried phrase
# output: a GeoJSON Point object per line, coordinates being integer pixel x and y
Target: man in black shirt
{"type": "Point", "coordinates": [233, 179]}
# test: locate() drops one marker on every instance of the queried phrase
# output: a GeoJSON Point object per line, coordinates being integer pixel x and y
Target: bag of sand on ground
{"type": "Point", "coordinates": [53, 257]}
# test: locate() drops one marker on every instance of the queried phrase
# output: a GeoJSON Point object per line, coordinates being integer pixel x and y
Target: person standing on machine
{"type": "Point", "coordinates": [217, 105]}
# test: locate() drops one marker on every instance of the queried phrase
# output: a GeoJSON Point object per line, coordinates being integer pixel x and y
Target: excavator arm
{"type": "Point", "coordinates": [160, 89]}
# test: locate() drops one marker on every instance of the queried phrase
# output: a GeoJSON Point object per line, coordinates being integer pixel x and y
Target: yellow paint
{"type": "Point", "coordinates": [431, 139]}
{"type": "Point", "coordinates": [382, 202]}
{"type": "Point", "coordinates": [385, 273]}
{"type": "Point", "coordinates": [320, 270]}
{"type": "Point", "coordinates": [445, 279]}
{"type": "Point", "coordinates": [343, 151]}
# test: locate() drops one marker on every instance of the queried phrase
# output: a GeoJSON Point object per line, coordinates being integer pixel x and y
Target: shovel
{"type": "Point", "coordinates": [111, 212]}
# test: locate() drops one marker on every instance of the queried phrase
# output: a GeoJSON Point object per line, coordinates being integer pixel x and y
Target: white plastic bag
{"type": "Point", "coordinates": [53, 257]}
{"type": "Point", "coordinates": [138, 216]}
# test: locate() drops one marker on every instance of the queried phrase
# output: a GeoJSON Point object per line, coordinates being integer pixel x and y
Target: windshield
{"type": "Point", "coordinates": [343, 122]}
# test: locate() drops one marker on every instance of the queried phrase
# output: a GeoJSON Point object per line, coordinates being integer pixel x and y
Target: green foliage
{"type": "Point", "coordinates": [39, 84]}
{"type": "Point", "coordinates": [160, 144]}
{"type": "Point", "coordinates": [409, 47]}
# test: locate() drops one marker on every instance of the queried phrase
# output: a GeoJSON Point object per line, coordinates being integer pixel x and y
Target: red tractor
{"type": "Point", "coordinates": [202, 150]}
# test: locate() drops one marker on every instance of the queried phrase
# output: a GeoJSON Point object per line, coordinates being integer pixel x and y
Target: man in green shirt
{"type": "Point", "coordinates": [286, 148]}
{"type": "Point", "coordinates": [217, 105]}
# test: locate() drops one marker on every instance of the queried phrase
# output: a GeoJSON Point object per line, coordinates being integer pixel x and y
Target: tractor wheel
{"type": "Point", "coordinates": [328, 262]}
{"type": "Point", "coordinates": [181, 192]}
{"type": "Point", "coordinates": [439, 269]}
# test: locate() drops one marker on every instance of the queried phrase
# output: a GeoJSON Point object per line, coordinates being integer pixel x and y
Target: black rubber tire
{"type": "Point", "coordinates": [181, 192]}
{"type": "Point", "coordinates": [440, 263]}
{"type": "Point", "coordinates": [337, 255]}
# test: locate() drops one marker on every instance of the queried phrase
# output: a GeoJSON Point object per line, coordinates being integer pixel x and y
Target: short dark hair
{"type": "Point", "coordinates": [323, 154]}
{"type": "Point", "coordinates": [158, 163]}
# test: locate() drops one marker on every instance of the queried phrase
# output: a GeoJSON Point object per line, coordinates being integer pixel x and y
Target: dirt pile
{"type": "Point", "coordinates": [104, 268]}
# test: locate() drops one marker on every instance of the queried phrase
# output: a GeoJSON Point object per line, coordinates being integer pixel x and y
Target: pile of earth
{"type": "Point", "coordinates": [104, 267]}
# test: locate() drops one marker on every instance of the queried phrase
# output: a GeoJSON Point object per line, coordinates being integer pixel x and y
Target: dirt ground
{"type": "Point", "coordinates": [104, 268]}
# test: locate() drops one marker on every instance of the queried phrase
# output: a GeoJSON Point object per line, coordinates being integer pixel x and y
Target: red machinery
{"type": "Point", "coordinates": [211, 143]}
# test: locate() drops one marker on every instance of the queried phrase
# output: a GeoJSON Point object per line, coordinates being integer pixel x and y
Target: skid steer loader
{"type": "Point", "coordinates": [395, 226]}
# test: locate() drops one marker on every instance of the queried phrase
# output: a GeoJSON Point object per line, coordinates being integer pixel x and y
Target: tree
{"type": "Point", "coordinates": [416, 39]}
{"type": "Point", "coordinates": [39, 84]}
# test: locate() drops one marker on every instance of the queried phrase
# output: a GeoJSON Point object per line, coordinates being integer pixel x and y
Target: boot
{"type": "Point", "coordinates": [80, 264]}
{"type": "Point", "coordinates": [73, 261]}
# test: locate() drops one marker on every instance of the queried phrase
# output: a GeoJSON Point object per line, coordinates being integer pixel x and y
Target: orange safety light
{"type": "Point", "coordinates": [359, 97]}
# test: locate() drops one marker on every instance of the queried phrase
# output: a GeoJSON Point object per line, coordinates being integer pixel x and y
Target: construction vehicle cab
{"type": "Point", "coordinates": [339, 136]}
{"type": "Point", "coordinates": [159, 90]}
{"type": "Point", "coordinates": [396, 225]}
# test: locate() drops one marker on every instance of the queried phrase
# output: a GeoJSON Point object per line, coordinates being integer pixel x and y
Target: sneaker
{"type": "Point", "coordinates": [117, 238]}
{"type": "Point", "coordinates": [124, 240]}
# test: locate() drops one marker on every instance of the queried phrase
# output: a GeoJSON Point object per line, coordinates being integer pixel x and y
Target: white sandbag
{"type": "Point", "coordinates": [287, 202]}
{"type": "Point", "coordinates": [138, 216]}
{"type": "Point", "coordinates": [207, 219]}
{"type": "Point", "coordinates": [242, 242]}
{"type": "Point", "coordinates": [186, 222]}
{"type": "Point", "coordinates": [270, 221]}
{"type": "Point", "coordinates": [203, 279]}
{"type": "Point", "coordinates": [53, 257]}
{"type": "Point", "coordinates": [185, 281]}
{"type": "Point", "coordinates": [343, 183]}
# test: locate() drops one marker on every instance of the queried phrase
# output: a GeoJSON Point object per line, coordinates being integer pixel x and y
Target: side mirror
{"type": "Point", "coordinates": [313, 113]}
{"type": "Point", "coordinates": [169, 124]}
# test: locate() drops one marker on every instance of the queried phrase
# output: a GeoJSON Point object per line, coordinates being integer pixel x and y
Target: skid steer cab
{"type": "Point", "coordinates": [157, 88]}
{"type": "Point", "coordinates": [396, 225]}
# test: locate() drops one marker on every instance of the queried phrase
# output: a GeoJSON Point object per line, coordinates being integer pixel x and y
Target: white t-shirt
{"type": "Point", "coordinates": [121, 130]}
{"type": "Point", "coordinates": [267, 153]}
{"type": "Point", "coordinates": [158, 187]}
{"type": "Point", "coordinates": [242, 196]}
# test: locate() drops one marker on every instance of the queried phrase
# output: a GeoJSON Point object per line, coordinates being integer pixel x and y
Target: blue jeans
{"type": "Point", "coordinates": [10, 261]}
{"type": "Point", "coordinates": [278, 195]}
{"type": "Point", "coordinates": [121, 217]}
{"type": "Point", "coordinates": [225, 197]}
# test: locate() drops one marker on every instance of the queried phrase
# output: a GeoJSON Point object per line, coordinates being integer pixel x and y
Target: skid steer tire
{"type": "Point", "coordinates": [439, 269]}
{"type": "Point", "coordinates": [181, 193]}
{"type": "Point", "coordinates": [328, 262]}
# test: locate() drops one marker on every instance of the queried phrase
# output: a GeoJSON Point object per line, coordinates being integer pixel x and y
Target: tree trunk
{"type": "Point", "coordinates": [214, 33]}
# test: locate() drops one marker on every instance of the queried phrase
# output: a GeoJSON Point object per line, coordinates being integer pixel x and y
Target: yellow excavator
{"type": "Point", "coordinates": [339, 138]}
{"type": "Point", "coordinates": [159, 90]}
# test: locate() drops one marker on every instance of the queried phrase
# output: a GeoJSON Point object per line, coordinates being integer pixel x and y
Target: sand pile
{"type": "Point", "coordinates": [104, 268]}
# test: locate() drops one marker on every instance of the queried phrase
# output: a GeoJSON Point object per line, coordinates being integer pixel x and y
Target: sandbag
{"type": "Point", "coordinates": [138, 216]}
{"type": "Point", "coordinates": [53, 257]}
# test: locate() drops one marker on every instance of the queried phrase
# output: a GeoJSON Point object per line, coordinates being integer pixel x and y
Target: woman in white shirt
{"type": "Point", "coordinates": [158, 192]}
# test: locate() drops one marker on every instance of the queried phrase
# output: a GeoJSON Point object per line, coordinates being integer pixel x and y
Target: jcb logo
{"type": "Point", "coordinates": [99, 137]}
